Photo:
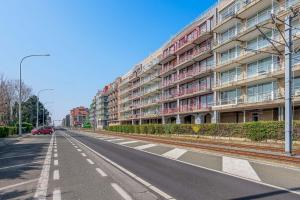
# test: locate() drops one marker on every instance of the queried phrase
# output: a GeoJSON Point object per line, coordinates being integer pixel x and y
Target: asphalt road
{"type": "Point", "coordinates": [71, 166]}
{"type": "Point", "coordinates": [180, 180]}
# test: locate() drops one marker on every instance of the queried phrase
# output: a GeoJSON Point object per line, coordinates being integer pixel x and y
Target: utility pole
{"type": "Point", "coordinates": [288, 86]}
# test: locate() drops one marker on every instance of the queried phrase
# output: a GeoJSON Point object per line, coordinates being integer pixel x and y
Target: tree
{"type": "Point", "coordinates": [29, 111]}
{"type": "Point", "coordinates": [9, 94]}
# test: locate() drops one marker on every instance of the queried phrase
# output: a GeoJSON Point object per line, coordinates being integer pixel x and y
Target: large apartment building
{"type": "Point", "coordinates": [113, 105]}
{"type": "Point", "coordinates": [226, 66]}
{"type": "Point", "coordinates": [101, 107]}
{"type": "Point", "coordinates": [250, 60]}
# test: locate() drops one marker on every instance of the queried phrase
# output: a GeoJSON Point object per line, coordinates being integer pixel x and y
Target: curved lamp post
{"type": "Point", "coordinates": [20, 89]}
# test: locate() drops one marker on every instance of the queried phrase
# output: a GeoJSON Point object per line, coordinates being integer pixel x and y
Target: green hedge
{"type": "Point", "coordinates": [26, 127]}
{"type": "Point", "coordinates": [256, 131]}
{"type": "Point", "coordinates": [6, 131]}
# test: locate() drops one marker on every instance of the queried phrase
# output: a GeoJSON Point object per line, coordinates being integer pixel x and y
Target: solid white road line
{"type": "Point", "coordinates": [239, 167]}
{"type": "Point", "coordinates": [56, 174]}
{"type": "Point", "coordinates": [142, 181]}
{"type": "Point", "coordinates": [56, 194]}
{"type": "Point", "coordinates": [121, 192]}
{"type": "Point", "coordinates": [90, 161]}
{"type": "Point", "coordinates": [83, 154]}
{"type": "Point", "coordinates": [146, 146]}
{"type": "Point", "coordinates": [55, 163]}
{"type": "Point", "coordinates": [129, 142]}
{"type": "Point", "coordinates": [79, 150]}
{"type": "Point", "coordinates": [18, 184]}
{"type": "Point", "coordinates": [101, 172]}
{"type": "Point", "coordinates": [42, 186]}
{"type": "Point", "coordinates": [55, 155]}
{"type": "Point", "coordinates": [175, 153]}
{"type": "Point", "coordinates": [20, 165]}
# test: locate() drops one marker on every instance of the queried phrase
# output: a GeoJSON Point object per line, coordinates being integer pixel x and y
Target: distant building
{"type": "Point", "coordinates": [67, 121]}
{"type": "Point", "coordinates": [102, 108]}
{"type": "Point", "coordinates": [78, 116]}
{"type": "Point", "coordinates": [113, 99]}
{"type": "Point", "coordinates": [92, 112]}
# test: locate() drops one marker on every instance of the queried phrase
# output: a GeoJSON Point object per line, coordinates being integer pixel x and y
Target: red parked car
{"type": "Point", "coordinates": [42, 130]}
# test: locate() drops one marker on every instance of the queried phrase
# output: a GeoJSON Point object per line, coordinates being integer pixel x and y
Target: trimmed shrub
{"type": "Point", "coordinates": [256, 131]}
{"type": "Point", "coordinates": [6, 131]}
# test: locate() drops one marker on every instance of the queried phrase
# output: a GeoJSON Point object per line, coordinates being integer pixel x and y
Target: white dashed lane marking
{"type": "Point", "coordinates": [55, 155]}
{"type": "Point", "coordinates": [79, 150]}
{"type": "Point", "coordinates": [83, 154]}
{"type": "Point", "coordinates": [56, 194]}
{"type": "Point", "coordinates": [56, 175]}
{"type": "Point", "coordinates": [101, 172]}
{"type": "Point", "coordinates": [90, 161]}
{"type": "Point", "coordinates": [121, 192]}
{"type": "Point", "coordinates": [55, 162]}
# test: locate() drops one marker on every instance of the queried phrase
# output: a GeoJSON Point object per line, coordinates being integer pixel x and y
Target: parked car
{"type": "Point", "coordinates": [42, 130]}
{"type": "Point", "coordinates": [35, 131]}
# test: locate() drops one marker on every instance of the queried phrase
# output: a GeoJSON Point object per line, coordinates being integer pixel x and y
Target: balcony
{"type": "Point", "coordinates": [151, 114]}
{"type": "Point", "coordinates": [169, 111]}
{"type": "Point", "coordinates": [169, 97]}
{"type": "Point", "coordinates": [198, 54]}
{"type": "Point", "coordinates": [259, 101]}
{"type": "Point", "coordinates": [196, 90]}
{"type": "Point", "coordinates": [194, 108]}
{"type": "Point", "coordinates": [167, 68]}
{"type": "Point", "coordinates": [168, 55]}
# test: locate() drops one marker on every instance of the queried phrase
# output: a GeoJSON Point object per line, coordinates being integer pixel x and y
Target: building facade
{"type": "Point", "coordinates": [113, 102]}
{"type": "Point", "coordinates": [102, 108]}
{"type": "Point", "coordinates": [78, 116]}
{"type": "Point", "coordinates": [227, 66]}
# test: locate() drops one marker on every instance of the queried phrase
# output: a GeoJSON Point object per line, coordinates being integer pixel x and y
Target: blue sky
{"type": "Point", "coordinates": [91, 42]}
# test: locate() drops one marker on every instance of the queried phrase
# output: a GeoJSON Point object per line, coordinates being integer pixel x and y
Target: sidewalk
{"type": "Point", "coordinates": [254, 170]}
{"type": "Point", "coordinates": [12, 139]}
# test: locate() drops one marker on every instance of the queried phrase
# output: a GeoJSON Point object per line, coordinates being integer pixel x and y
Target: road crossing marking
{"type": "Point", "coordinates": [122, 192]}
{"type": "Point", "coordinates": [101, 172]}
{"type": "Point", "coordinates": [90, 161]}
{"type": "Point", "coordinates": [239, 167]}
{"type": "Point", "coordinates": [56, 174]}
{"type": "Point", "coordinates": [114, 140]}
{"type": "Point", "coordinates": [129, 142]}
{"type": "Point", "coordinates": [146, 146]}
{"type": "Point", "coordinates": [175, 153]}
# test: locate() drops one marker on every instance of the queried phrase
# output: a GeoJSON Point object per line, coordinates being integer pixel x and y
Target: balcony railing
{"type": "Point", "coordinates": [192, 90]}
{"type": "Point", "coordinates": [192, 108]}
{"type": "Point", "coordinates": [170, 111]}
{"type": "Point", "coordinates": [197, 51]}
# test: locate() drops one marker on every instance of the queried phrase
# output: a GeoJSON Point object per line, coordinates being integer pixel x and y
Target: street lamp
{"type": "Point", "coordinates": [20, 89]}
{"type": "Point", "coordinates": [37, 105]}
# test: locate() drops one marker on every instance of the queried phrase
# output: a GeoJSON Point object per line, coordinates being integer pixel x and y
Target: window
{"type": "Point", "coordinates": [230, 54]}
{"type": "Point", "coordinates": [229, 11]}
{"type": "Point", "coordinates": [296, 86]}
{"type": "Point", "coordinates": [230, 75]}
{"type": "Point", "coordinates": [261, 16]}
{"type": "Point", "coordinates": [262, 92]}
{"type": "Point", "coordinates": [230, 97]}
{"type": "Point", "coordinates": [229, 33]}
{"type": "Point", "coordinates": [261, 42]}
{"type": "Point", "coordinates": [263, 66]}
